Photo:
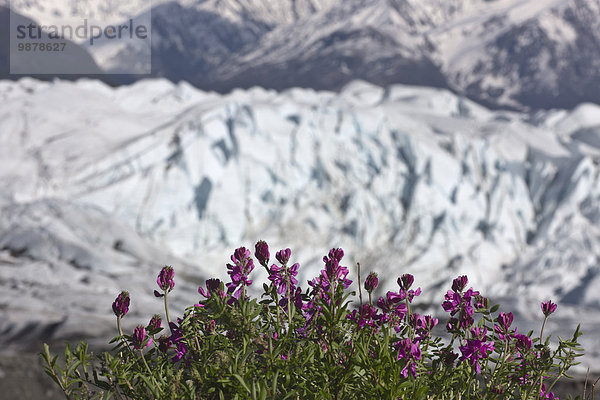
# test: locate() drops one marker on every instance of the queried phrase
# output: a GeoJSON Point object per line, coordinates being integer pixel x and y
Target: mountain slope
{"type": "Point", "coordinates": [537, 54]}
{"type": "Point", "coordinates": [511, 54]}
{"type": "Point", "coordinates": [508, 54]}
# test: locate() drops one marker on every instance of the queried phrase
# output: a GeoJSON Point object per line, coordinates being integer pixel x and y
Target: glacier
{"type": "Point", "coordinates": [103, 186]}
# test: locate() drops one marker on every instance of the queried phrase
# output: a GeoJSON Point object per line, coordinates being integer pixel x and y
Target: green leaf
{"type": "Point", "coordinates": [274, 383]}
{"type": "Point", "coordinates": [241, 380]}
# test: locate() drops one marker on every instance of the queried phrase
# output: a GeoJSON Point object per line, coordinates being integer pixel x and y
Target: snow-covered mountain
{"type": "Point", "coordinates": [405, 179]}
{"type": "Point", "coordinates": [505, 53]}
{"type": "Point", "coordinates": [515, 54]}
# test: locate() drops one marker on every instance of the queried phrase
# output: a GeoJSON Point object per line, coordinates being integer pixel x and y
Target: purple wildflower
{"type": "Point", "coordinates": [480, 302]}
{"type": "Point", "coordinates": [140, 339]}
{"type": "Point", "coordinates": [298, 299]}
{"type": "Point", "coordinates": [452, 302]}
{"type": "Point", "coordinates": [176, 339]}
{"type": "Point", "coordinates": [427, 323]}
{"type": "Point", "coordinates": [505, 320]}
{"type": "Point", "coordinates": [176, 334]}
{"type": "Point", "coordinates": [465, 322]}
{"type": "Point", "coordinates": [324, 288]}
{"type": "Point", "coordinates": [165, 280]}
{"type": "Point", "coordinates": [523, 343]}
{"type": "Point", "coordinates": [154, 324]}
{"type": "Point", "coordinates": [283, 256]}
{"type": "Point", "coordinates": [121, 304]}
{"type": "Point", "coordinates": [365, 316]}
{"type": "Point", "coordinates": [261, 252]}
{"type": "Point", "coordinates": [213, 286]}
{"type": "Point", "coordinates": [479, 333]}
{"type": "Point", "coordinates": [548, 307]}
{"type": "Point", "coordinates": [334, 272]}
{"type": "Point", "coordinates": [239, 272]}
{"type": "Point", "coordinates": [332, 275]}
{"type": "Point", "coordinates": [371, 282]}
{"type": "Point", "coordinates": [476, 350]}
{"type": "Point", "coordinates": [280, 275]}
{"type": "Point", "coordinates": [211, 326]}
{"type": "Point", "coordinates": [503, 328]}
{"type": "Point", "coordinates": [312, 311]}
{"type": "Point", "coordinates": [394, 309]}
{"type": "Point", "coordinates": [460, 283]}
{"type": "Point", "coordinates": [411, 352]}
{"type": "Point", "coordinates": [406, 281]}
{"type": "Point", "coordinates": [547, 395]}
{"type": "Point", "coordinates": [422, 324]}
{"type": "Point", "coordinates": [180, 351]}
{"type": "Point", "coordinates": [461, 303]}
{"type": "Point", "coordinates": [411, 294]}
{"type": "Point", "coordinates": [338, 254]}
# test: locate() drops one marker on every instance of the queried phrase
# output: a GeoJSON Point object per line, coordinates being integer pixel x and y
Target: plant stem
{"type": "Point", "coordinates": [542, 331]}
{"type": "Point", "coordinates": [408, 313]}
{"type": "Point", "coordinates": [148, 369]}
{"type": "Point", "coordinates": [541, 342]}
{"type": "Point", "coordinates": [276, 296]}
{"type": "Point", "coordinates": [499, 366]}
{"type": "Point", "coordinates": [50, 369]}
{"type": "Point", "coordinates": [289, 298]}
{"type": "Point", "coordinates": [359, 284]}
{"type": "Point", "coordinates": [119, 327]}
{"type": "Point", "coordinates": [167, 308]}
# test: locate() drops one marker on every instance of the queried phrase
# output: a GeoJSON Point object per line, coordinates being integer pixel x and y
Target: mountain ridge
{"type": "Point", "coordinates": [506, 54]}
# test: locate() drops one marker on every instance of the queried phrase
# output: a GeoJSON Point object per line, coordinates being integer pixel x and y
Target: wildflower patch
{"type": "Point", "coordinates": [317, 342]}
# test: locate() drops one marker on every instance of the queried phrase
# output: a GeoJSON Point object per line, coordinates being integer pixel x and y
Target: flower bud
{"type": "Point", "coordinates": [505, 320]}
{"type": "Point", "coordinates": [165, 279]}
{"type": "Point", "coordinates": [261, 252]}
{"type": "Point", "coordinates": [480, 302]}
{"type": "Point", "coordinates": [459, 283]}
{"type": "Point", "coordinates": [371, 282]}
{"type": "Point", "coordinates": [155, 323]}
{"type": "Point", "coordinates": [548, 307]}
{"type": "Point", "coordinates": [121, 304]}
{"type": "Point", "coordinates": [211, 326]}
{"type": "Point", "coordinates": [139, 338]}
{"type": "Point", "coordinates": [406, 281]}
{"type": "Point", "coordinates": [337, 254]}
{"type": "Point", "coordinates": [283, 256]}
{"type": "Point", "coordinates": [213, 286]}
{"type": "Point", "coordinates": [240, 255]}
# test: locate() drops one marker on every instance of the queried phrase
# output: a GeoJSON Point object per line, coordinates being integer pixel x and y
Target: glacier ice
{"type": "Point", "coordinates": [103, 186]}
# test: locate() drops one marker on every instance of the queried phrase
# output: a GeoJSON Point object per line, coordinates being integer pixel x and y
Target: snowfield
{"type": "Point", "coordinates": [102, 186]}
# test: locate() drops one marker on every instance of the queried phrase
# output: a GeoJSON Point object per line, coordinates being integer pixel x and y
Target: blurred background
{"type": "Point", "coordinates": [434, 137]}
